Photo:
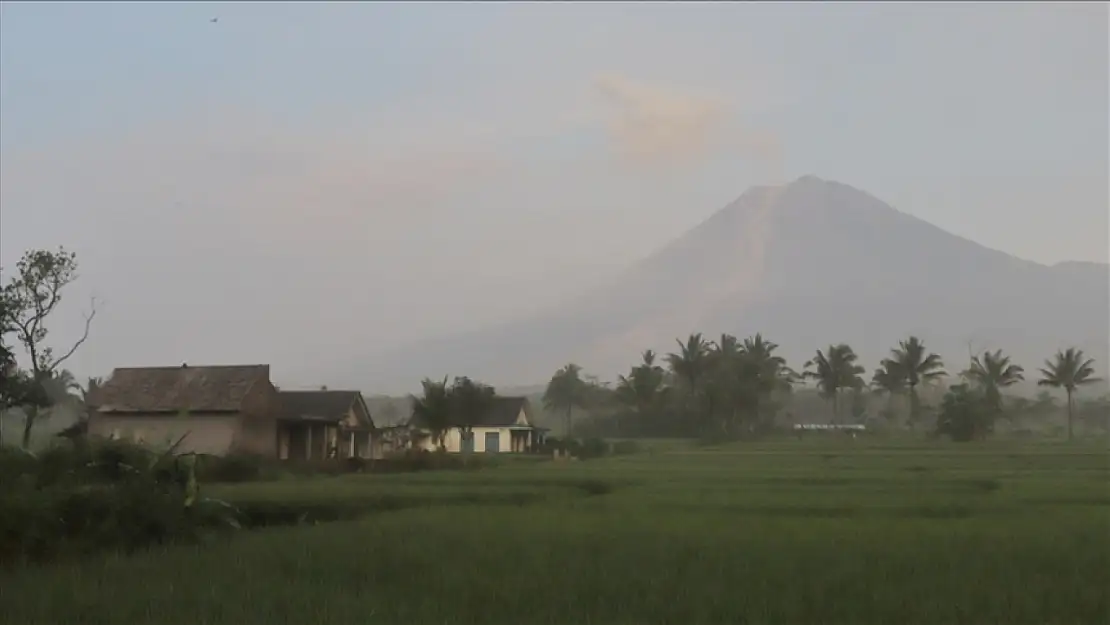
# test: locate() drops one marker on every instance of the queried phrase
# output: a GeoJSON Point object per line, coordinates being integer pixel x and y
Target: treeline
{"type": "Point", "coordinates": [730, 388]}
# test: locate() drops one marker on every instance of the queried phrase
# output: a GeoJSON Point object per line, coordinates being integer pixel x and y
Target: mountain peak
{"type": "Point", "coordinates": [808, 179]}
{"type": "Point", "coordinates": [808, 262]}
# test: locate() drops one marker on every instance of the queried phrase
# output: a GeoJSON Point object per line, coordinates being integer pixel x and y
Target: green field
{"type": "Point", "coordinates": [793, 532]}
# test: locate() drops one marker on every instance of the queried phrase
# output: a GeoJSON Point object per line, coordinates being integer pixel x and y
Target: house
{"type": "Point", "coordinates": [323, 423]}
{"type": "Point", "coordinates": [212, 409]}
{"type": "Point", "coordinates": [226, 409]}
{"type": "Point", "coordinates": [505, 427]}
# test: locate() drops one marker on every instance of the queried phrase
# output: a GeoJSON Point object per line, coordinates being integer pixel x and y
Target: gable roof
{"type": "Point", "coordinates": [322, 405]}
{"type": "Point", "coordinates": [502, 413]}
{"type": "Point", "coordinates": [219, 388]}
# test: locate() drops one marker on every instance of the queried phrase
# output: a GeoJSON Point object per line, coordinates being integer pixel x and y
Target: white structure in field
{"type": "Point", "coordinates": [505, 428]}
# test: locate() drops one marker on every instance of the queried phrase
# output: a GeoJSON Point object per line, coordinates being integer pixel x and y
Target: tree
{"type": "Point", "coordinates": [92, 385]}
{"type": "Point", "coordinates": [963, 414]}
{"type": "Point", "coordinates": [728, 387]}
{"type": "Point", "coordinates": [389, 412]}
{"type": "Point", "coordinates": [470, 401]}
{"type": "Point", "coordinates": [691, 361]}
{"type": "Point", "coordinates": [433, 410]}
{"type": "Point", "coordinates": [991, 372]}
{"type": "Point", "coordinates": [690, 365]}
{"type": "Point", "coordinates": [889, 380]}
{"type": "Point", "coordinates": [772, 374]}
{"type": "Point", "coordinates": [1069, 370]}
{"type": "Point", "coordinates": [7, 327]}
{"type": "Point", "coordinates": [644, 389]}
{"type": "Point", "coordinates": [834, 370]}
{"type": "Point", "coordinates": [917, 365]}
{"type": "Point", "coordinates": [28, 301]}
{"type": "Point", "coordinates": [566, 391]}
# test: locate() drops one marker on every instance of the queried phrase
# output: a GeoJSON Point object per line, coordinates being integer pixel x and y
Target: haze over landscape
{"type": "Point", "coordinates": [364, 194]}
{"type": "Point", "coordinates": [532, 313]}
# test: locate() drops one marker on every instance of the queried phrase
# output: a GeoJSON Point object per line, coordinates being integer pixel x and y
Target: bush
{"type": "Point", "coordinates": [103, 495]}
{"type": "Point", "coordinates": [964, 414]}
{"type": "Point", "coordinates": [593, 448]}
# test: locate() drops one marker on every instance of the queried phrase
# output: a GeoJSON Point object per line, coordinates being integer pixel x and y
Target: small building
{"type": "Point", "coordinates": [326, 424]}
{"type": "Point", "coordinates": [224, 409]}
{"type": "Point", "coordinates": [505, 428]}
{"type": "Point", "coordinates": [211, 409]}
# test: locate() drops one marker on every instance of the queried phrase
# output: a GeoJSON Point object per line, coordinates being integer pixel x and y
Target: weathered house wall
{"type": "Point", "coordinates": [204, 433]}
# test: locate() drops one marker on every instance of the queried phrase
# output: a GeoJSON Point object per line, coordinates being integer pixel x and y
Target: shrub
{"type": "Point", "coordinates": [593, 448]}
{"type": "Point", "coordinates": [964, 414]}
{"type": "Point", "coordinates": [105, 495]}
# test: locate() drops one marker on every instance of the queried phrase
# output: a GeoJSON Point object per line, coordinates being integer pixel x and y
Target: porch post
{"type": "Point", "coordinates": [308, 442]}
{"type": "Point", "coordinates": [369, 444]}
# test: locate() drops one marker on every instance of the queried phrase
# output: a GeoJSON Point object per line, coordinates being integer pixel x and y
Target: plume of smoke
{"type": "Point", "coordinates": [658, 129]}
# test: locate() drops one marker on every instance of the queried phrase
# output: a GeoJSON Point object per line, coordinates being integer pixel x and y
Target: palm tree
{"type": "Point", "coordinates": [80, 427]}
{"type": "Point", "coordinates": [918, 365]}
{"type": "Point", "coordinates": [889, 379]}
{"type": "Point", "coordinates": [691, 361]}
{"type": "Point", "coordinates": [992, 372]}
{"type": "Point", "coordinates": [727, 386]}
{"type": "Point", "coordinates": [433, 410]}
{"type": "Point", "coordinates": [833, 370]}
{"type": "Point", "coordinates": [55, 389]}
{"type": "Point", "coordinates": [1069, 370]}
{"type": "Point", "coordinates": [772, 374]}
{"type": "Point", "coordinates": [644, 389]}
{"type": "Point", "coordinates": [566, 391]}
{"type": "Point", "coordinates": [690, 366]}
{"type": "Point", "coordinates": [60, 386]}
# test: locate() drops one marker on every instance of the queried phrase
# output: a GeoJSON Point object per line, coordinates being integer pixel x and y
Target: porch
{"type": "Point", "coordinates": [526, 439]}
{"type": "Point", "coordinates": [317, 439]}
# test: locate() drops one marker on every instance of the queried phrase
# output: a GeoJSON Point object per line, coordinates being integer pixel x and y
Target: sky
{"type": "Point", "coordinates": [297, 181]}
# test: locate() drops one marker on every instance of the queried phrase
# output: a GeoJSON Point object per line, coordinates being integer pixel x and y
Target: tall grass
{"type": "Point", "coordinates": [771, 534]}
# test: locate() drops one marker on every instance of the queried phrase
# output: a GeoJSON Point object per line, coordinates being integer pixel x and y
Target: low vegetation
{"type": "Point", "coordinates": [819, 530]}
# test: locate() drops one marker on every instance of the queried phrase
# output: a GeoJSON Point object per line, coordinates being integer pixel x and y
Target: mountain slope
{"type": "Point", "coordinates": [807, 264]}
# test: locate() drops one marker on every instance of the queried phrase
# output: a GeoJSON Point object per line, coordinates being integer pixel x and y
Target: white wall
{"type": "Point", "coordinates": [453, 440]}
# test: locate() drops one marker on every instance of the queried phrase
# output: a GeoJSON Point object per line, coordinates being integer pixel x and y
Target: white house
{"type": "Point", "coordinates": [505, 428]}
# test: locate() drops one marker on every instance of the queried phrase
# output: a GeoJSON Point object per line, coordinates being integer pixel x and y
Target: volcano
{"type": "Point", "coordinates": [808, 263]}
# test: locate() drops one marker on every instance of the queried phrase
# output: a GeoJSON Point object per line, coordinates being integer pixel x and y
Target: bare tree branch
{"type": "Point", "coordinates": [84, 336]}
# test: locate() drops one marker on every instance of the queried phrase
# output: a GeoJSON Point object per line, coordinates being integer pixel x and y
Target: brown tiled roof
{"type": "Point", "coordinates": [317, 405]}
{"type": "Point", "coordinates": [170, 389]}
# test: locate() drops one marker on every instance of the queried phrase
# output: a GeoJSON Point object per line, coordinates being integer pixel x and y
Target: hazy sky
{"type": "Point", "coordinates": [297, 181]}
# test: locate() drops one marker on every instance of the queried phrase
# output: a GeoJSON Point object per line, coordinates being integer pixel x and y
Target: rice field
{"type": "Point", "coordinates": [791, 532]}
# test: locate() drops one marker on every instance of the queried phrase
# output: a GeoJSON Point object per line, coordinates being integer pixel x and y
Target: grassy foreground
{"type": "Point", "coordinates": [798, 532]}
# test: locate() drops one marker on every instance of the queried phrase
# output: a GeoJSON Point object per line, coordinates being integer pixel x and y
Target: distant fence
{"type": "Point", "coordinates": [830, 426]}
